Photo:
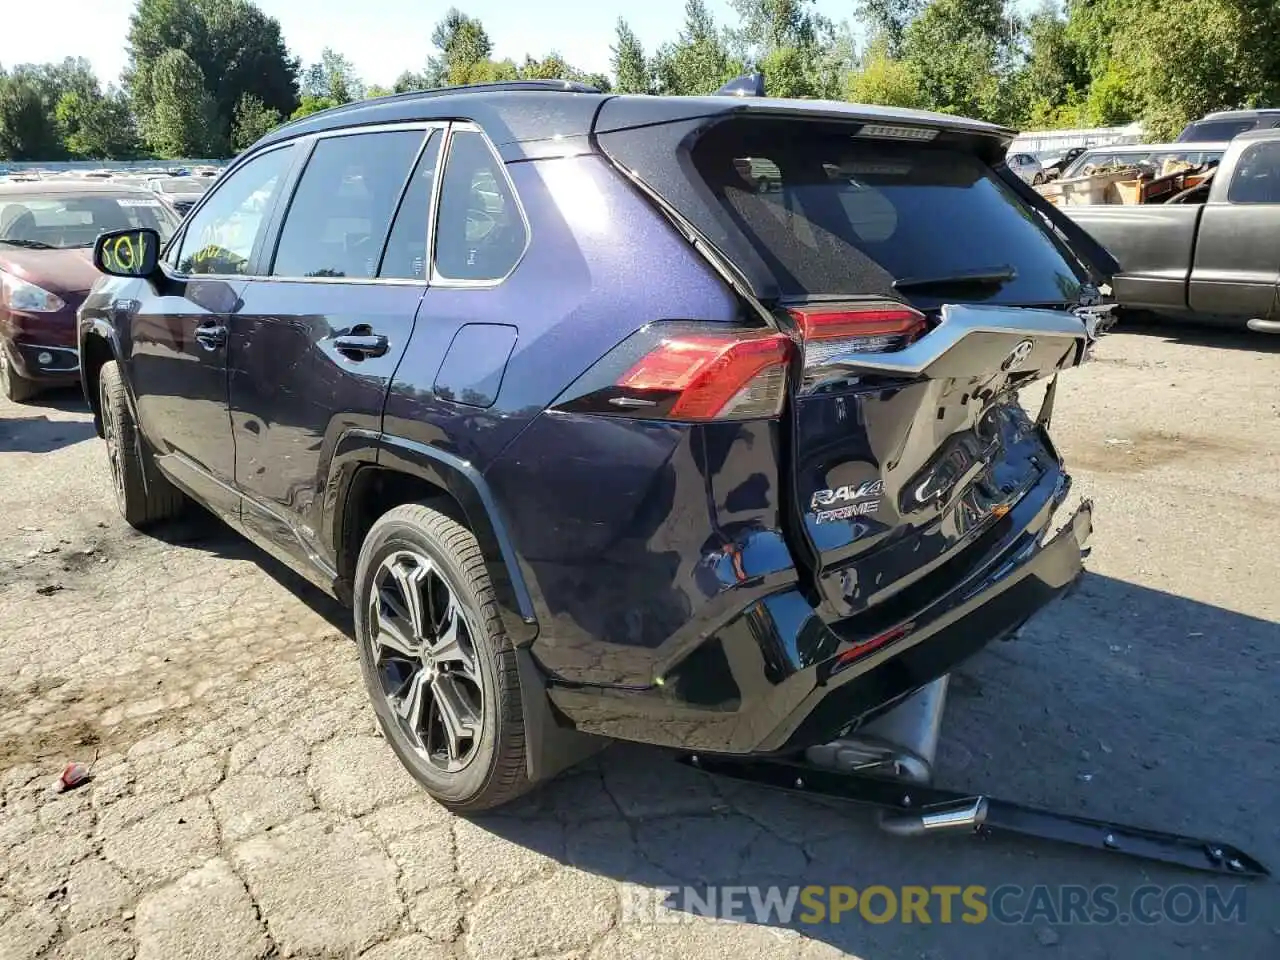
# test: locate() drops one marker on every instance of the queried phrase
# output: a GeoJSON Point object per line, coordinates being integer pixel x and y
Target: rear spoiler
{"type": "Point", "coordinates": [1100, 264]}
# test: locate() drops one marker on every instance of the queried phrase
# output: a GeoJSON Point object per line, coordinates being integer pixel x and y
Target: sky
{"type": "Point", "coordinates": [382, 38]}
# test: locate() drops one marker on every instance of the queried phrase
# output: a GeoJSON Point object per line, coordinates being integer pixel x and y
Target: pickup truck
{"type": "Point", "coordinates": [1212, 253]}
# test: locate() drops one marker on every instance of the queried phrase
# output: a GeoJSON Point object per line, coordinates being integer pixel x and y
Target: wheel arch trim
{"type": "Point", "coordinates": [456, 477]}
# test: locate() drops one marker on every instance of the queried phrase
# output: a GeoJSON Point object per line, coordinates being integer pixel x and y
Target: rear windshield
{"type": "Point", "coordinates": [831, 215]}
{"type": "Point", "coordinates": [1204, 131]}
{"type": "Point", "coordinates": [76, 219]}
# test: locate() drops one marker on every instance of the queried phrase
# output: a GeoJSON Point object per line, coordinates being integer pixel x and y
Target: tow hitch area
{"type": "Point", "coordinates": [888, 765]}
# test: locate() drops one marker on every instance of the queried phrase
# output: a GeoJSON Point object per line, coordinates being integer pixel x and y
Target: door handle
{"type": "Point", "coordinates": [359, 346]}
{"type": "Point", "coordinates": [211, 335]}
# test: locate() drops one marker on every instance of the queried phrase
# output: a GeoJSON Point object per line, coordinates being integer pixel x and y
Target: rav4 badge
{"type": "Point", "coordinates": [841, 503]}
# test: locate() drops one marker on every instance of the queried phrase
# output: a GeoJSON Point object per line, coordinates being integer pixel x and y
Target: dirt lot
{"type": "Point", "coordinates": [243, 806]}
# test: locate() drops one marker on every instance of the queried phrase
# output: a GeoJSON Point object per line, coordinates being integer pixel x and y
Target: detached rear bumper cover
{"type": "Point", "coordinates": [1031, 572]}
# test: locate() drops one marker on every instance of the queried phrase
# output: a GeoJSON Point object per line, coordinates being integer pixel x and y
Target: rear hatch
{"type": "Point", "coordinates": [922, 289]}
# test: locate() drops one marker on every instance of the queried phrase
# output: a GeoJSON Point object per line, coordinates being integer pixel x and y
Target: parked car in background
{"type": "Point", "coordinates": [180, 193]}
{"type": "Point", "coordinates": [1212, 254]}
{"type": "Point", "coordinates": [47, 232]}
{"type": "Point", "coordinates": [1053, 165]}
{"type": "Point", "coordinates": [413, 347]}
{"type": "Point", "coordinates": [1227, 124]}
{"type": "Point", "coordinates": [1027, 167]}
{"type": "Point", "coordinates": [1149, 155]}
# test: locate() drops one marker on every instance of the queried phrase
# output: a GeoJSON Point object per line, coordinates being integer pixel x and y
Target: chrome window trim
{"type": "Point", "coordinates": [170, 270]}
{"type": "Point", "coordinates": [423, 125]}
{"type": "Point", "coordinates": [435, 277]}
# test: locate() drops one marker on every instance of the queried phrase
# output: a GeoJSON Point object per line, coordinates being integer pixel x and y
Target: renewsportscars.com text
{"type": "Point", "coordinates": [940, 903]}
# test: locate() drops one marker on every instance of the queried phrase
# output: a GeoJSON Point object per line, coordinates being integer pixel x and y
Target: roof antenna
{"type": "Point", "coordinates": [747, 85]}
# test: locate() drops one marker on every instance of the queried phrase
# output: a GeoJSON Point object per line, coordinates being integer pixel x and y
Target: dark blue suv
{"type": "Point", "coordinates": [691, 421]}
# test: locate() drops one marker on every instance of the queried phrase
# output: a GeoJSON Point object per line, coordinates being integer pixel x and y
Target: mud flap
{"type": "Point", "coordinates": [550, 746]}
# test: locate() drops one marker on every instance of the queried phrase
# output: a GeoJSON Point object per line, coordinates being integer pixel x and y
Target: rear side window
{"type": "Point", "coordinates": [480, 231]}
{"type": "Point", "coordinates": [341, 211]}
{"type": "Point", "coordinates": [1257, 177]}
{"type": "Point", "coordinates": [832, 215]}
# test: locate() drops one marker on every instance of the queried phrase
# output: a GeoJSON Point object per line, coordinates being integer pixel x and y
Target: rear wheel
{"type": "Point", "coordinates": [143, 495]}
{"type": "Point", "coordinates": [437, 663]}
{"type": "Point", "coordinates": [13, 385]}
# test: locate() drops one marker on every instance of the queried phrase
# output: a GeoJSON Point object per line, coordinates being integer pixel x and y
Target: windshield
{"type": "Point", "coordinates": [51, 221]}
{"type": "Point", "coordinates": [835, 216]}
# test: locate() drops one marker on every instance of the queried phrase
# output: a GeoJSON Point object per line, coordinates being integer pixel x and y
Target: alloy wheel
{"type": "Point", "coordinates": [111, 436]}
{"type": "Point", "coordinates": [423, 647]}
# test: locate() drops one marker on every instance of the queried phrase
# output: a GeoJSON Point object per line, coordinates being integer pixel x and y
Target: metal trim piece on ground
{"type": "Point", "coordinates": [914, 809]}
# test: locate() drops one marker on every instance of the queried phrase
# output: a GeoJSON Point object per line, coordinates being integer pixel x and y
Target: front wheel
{"type": "Point", "coordinates": [13, 385]}
{"type": "Point", "coordinates": [437, 664]}
{"type": "Point", "coordinates": [143, 495]}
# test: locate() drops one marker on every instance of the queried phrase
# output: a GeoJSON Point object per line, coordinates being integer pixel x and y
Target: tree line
{"type": "Point", "coordinates": [205, 78]}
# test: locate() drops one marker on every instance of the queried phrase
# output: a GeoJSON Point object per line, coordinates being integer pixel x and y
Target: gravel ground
{"type": "Point", "coordinates": [242, 805]}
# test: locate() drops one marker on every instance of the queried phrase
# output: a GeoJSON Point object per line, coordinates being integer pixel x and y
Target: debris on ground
{"type": "Point", "coordinates": [73, 775]}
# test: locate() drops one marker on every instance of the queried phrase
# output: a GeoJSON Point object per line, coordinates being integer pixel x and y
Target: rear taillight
{"type": "Point", "coordinates": [715, 377]}
{"type": "Point", "coordinates": [691, 372]}
{"type": "Point", "coordinates": [831, 329]}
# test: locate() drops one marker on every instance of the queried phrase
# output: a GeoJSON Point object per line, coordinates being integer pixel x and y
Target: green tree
{"type": "Point", "coordinates": [886, 22]}
{"type": "Point", "coordinates": [699, 61]}
{"type": "Point", "coordinates": [183, 114]}
{"type": "Point", "coordinates": [96, 126]}
{"type": "Point", "coordinates": [630, 69]}
{"type": "Point", "coordinates": [254, 120]}
{"type": "Point", "coordinates": [333, 77]}
{"type": "Point", "coordinates": [311, 104]}
{"type": "Point", "coordinates": [884, 80]}
{"type": "Point", "coordinates": [238, 50]}
{"type": "Point", "coordinates": [28, 130]}
{"type": "Point", "coordinates": [376, 91]}
{"type": "Point", "coordinates": [409, 81]}
{"type": "Point", "coordinates": [1206, 55]}
{"type": "Point", "coordinates": [962, 51]}
{"type": "Point", "coordinates": [1052, 82]}
{"type": "Point", "coordinates": [463, 43]}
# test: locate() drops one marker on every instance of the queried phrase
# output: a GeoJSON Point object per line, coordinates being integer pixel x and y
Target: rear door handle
{"type": "Point", "coordinates": [211, 335]}
{"type": "Point", "coordinates": [360, 346]}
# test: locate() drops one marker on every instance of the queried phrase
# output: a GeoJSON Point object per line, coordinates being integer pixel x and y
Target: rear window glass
{"type": "Point", "coordinates": [1205, 131]}
{"type": "Point", "coordinates": [832, 215]}
{"type": "Point", "coordinates": [75, 220]}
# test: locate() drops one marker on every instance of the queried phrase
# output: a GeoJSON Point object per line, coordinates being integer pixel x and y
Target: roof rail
{"type": "Point", "coordinates": [499, 86]}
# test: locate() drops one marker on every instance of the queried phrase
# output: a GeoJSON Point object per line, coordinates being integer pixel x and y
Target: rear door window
{"type": "Point", "coordinates": [341, 211]}
{"type": "Point", "coordinates": [406, 254]}
{"type": "Point", "coordinates": [832, 215]}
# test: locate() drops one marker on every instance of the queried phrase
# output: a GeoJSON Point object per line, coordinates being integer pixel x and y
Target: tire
{"type": "Point", "coordinates": [13, 385]}
{"type": "Point", "coordinates": [143, 495]}
{"type": "Point", "coordinates": [414, 551]}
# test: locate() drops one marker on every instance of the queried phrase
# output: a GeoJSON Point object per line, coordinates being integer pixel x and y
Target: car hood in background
{"type": "Point", "coordinates": [58, 271]}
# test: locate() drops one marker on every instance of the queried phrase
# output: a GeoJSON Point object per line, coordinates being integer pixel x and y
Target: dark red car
{"type": "Point", "coordinates": [47, 229]}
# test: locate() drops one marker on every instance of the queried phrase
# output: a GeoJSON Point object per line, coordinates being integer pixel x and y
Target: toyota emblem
{"type": "Point", "coordinates": [1018, 355]}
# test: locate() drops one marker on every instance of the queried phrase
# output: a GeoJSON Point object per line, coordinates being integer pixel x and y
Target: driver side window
{"type": "Point", "coordinates": [219, 237]}
{"type": "Point", "coordinates": [480, 231]}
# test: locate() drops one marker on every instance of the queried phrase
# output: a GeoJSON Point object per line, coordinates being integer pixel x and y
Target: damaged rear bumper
{"type": "Point", "coordinates": [848, 690]}
{"type": "Point", "coordinates": [778, 679]}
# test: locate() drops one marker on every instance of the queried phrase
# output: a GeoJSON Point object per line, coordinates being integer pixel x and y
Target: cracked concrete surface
{"type": "Point", "coordinates": [243, 806]}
